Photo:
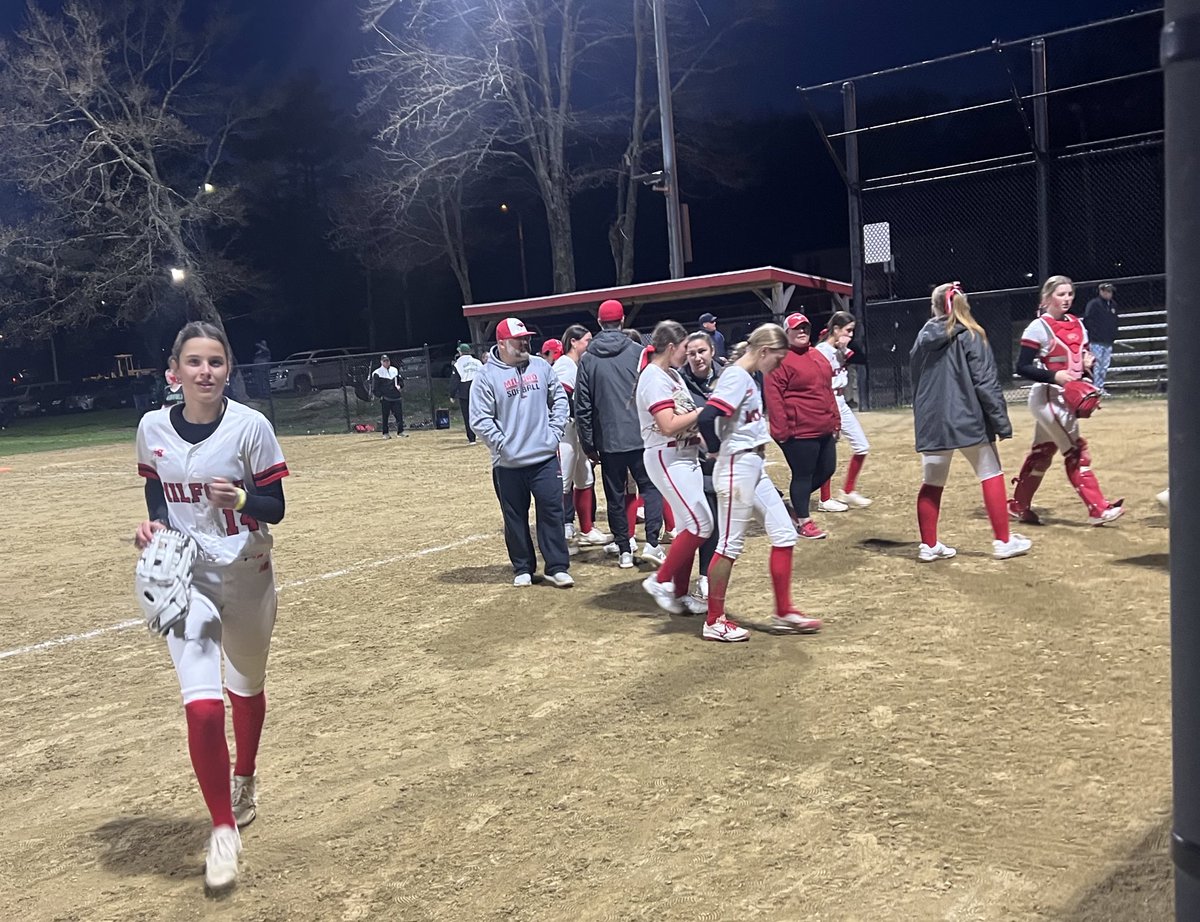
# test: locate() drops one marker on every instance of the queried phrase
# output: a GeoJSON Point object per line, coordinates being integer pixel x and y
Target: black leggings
{"type": "Point", "coordinates": [812, 461]}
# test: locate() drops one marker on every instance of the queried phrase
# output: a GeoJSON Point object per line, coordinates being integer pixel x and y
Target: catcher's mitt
{"type": "Point", "coordinates": [164, 579]}
{"type": "Point", "coordinates": [685, 404]}
{"type": "Point", "coordinates": [1081, 397]}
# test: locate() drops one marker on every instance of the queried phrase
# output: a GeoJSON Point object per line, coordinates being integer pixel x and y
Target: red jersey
{"type": "Point", "coordinates": [799, 397]}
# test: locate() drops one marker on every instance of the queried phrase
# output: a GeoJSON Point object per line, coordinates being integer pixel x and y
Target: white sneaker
{"type": "Point", "coordinates": [664, 595]}
{"type": "Point", "coordinates": [854, 499]}
{"type": "Point", "coordinates": [626, 561]}
{"type": "Point", "coordinates": [245, 799]}
{"type": "Point", "coordinates": [595, 538]}
{"type": "Point", "coordinates": [694, 605]}
{"type": "Point", "coordinates": [563, 579]}
{"type": "Point", "coordinates": [221, 861]}
{"type": "Point", "coordinates": [795, 622]}
{"type": "Point", "coordinates": [654, 554]}
{"type": "Point", "coordinates": [386, 435]}
{"type": "Point", "coordinates": [938, 552]}
{"type": "Point", "coordinates": [1015, 546]}
{"type": "Point", "coordinates": [522, 580]}
{"type": "Point", "coordinates": [641, 513]}
{"type": "Point", "coordinates": [1164, 498]}
{"type": "Point", "coordinates": [831, 505]}
{"type": "Point", "coordinates": [614, 549]}
{"type": "Point", "coordinates": [724, 631]}
{"type": "Point", "coordinates": [701, 591]}
{"type": "Point", "coordinates": [569, 529]}
{"type": "Point", "coordinates": [1111, 514]}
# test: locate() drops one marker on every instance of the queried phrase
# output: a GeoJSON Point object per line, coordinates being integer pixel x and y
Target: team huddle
{"type": "Point", "coordinates": [679, 432]}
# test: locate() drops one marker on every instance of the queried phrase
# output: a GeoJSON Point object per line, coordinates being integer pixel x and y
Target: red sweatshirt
{"type": "Point", "coordinates": [799, 397]}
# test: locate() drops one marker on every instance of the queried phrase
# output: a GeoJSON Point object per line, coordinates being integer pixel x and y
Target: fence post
{"type": "Point", "coordinates": [857, 268]}
{"type": "Point", "coordinates": [343, 376]}
{"type": "Point", "coordinates": [1041, 142]}
{"type": "Point", "coordinates": [429, 388]}
{"type": "Point", "coordinates": [1181, 65]}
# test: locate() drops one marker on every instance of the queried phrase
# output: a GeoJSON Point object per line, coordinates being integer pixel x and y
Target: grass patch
{"type": "Point", "coordinates": [48, 433]}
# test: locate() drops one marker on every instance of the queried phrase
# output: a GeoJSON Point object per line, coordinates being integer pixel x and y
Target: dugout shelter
{"type": "Point", "coordinates": [775, 288]}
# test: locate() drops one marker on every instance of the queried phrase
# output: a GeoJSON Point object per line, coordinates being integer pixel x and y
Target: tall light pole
{"type": "Point", "coordinates": [667, 118]}
{"type": "Point", "coordinates": [521, 244]}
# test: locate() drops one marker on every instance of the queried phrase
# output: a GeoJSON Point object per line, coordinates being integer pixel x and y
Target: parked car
{"type": "Point", "coordinates": [316, 369]}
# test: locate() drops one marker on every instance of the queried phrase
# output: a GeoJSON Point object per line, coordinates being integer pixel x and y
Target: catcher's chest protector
{"type": "Point", "coordinates": [1066, 344]}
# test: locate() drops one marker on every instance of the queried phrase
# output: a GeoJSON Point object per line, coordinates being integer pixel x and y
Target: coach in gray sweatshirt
{"type": "Point", "coordinates": [519, 408]}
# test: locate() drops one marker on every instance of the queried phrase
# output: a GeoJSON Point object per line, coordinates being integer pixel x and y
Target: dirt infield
{"type": "Point", "coordinates": [966, 740]}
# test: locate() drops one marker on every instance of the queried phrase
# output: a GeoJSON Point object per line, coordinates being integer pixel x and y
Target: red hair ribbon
{"type": "Point", "coordinates": [954, 289]}
{"type": "Point", "coordinates": [645, 359]}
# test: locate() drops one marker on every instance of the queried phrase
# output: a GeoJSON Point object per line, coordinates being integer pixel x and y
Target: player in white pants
{"type": "Point", "coordinates": [213, 470]}
{"type": "Point", "coordinates": [667, 415]}
{"type": "Point", "coordinates": [836, 347]}
{"type": "Point", "coordinates": [579, 480]}
{"type": "Point", "coordinates": [743, 489]}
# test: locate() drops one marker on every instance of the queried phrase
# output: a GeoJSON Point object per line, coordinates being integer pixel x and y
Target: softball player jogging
{"type": "Point", "coordinates": [1054, 352]}
{"type": "Point", "coordinates": [958, 406]}
{"type": "Point", "coordinates": [743, 488]}
{"type": "Point", "coordinates": [668, 415]}
{"type": "Point", "coordinates": [836, 347]}
{"type": "Point", "coordinates": [213, 471]}
{"type": "Point", "coordinates": [579, 481]}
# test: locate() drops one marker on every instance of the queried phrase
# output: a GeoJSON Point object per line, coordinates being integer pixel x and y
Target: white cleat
{"type": "Point", "coordinates": [613, 548]}
{"type": "Point", "coordinates": [939, 551]}
{"type": "Point", "coordinates": [857, 500]}
{"type": "Point", "coordinates": [562, 580]}
{"type": "Point", "coordinates": [221, 861]}
{"type": "Point", "coordinates": [724, 631]}
{"type": "Point", "coordinates": [701, 591]}
{"type": "Point", "coordinates": [625, 562]}
{"type": "Point", "coordinates": [664, 595]}
{"type": "Point", "coordinates": [831, 505]}
{"type": "Point", "coordinates": [1111, 514]}
{"type": "Point", "coordinates": [245, 799]}
{"type": "Point", "coordinates": [1015, 546]}
{"type": "Point", "coordinates": [569, 529]}
{"type": "Point", "coordinates": [595, 538]}
{"type": "Point", "coordinates": [694, 605]}
{"type": "Point", "coordinates": [795, 622]}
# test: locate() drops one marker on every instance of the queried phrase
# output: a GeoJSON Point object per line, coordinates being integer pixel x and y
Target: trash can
{"type": "Point", "coordinates": [441, 419]}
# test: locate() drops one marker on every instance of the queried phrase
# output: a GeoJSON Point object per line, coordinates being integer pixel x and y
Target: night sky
{"type": "Point", "coordinates": [794, 203]}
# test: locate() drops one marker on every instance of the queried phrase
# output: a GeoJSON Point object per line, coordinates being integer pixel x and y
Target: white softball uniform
{"type": "Point", "coordinates": [852, 430]}
{"type": "Point", "coordinates": [744, 491]}
{"type": "Point", "coordinates": [1054, 421]}
{"type": "Point", "coordinates": [575, 466]}
{"type": "Point", "coordinates": [233, 600]}
{"type": "Point", "coordinates": [935, 465]}
{"type": "Point", "coordinates": [673, 463]}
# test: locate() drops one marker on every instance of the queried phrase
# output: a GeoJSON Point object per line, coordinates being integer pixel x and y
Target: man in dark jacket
{"type": "Point", "coordinates": [606, 419]}
{"type": "Point", "coordinates": [1100, 320]}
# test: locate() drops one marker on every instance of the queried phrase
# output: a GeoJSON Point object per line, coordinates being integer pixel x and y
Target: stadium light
{"type": "Point", "coordinates": [178, 275]}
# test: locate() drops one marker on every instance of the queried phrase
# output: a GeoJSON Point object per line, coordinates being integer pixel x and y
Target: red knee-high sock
{"type": "Point", "coordinates": [781, 578]}
{"type": "Point", "coordinates": [856, 463]}
{"type": "Point", "coordinates": [668, 516]}
{"type": "Point", "coordinates": [210, 756]}
{"type": "Point", "coordinates": [929, 503]}
{"type": "Point", "coordinates": [826, 491]}
{"type": "Point", "coordinates": [995, 500]}
{"type": "Point", "coordinates": [585, 500]}
{"type": "Point", "coordinates": [677, 568]}
{"type": "Point", "coordinates": [633, 503]}
{"type": "Point", "coordinates": [248, 716]}
{"type": "Point", "coordinates": [716, 594]}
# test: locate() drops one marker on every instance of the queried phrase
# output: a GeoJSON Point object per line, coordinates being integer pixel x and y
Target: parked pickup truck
{"type": "Point", "coordinates": [317, 369]}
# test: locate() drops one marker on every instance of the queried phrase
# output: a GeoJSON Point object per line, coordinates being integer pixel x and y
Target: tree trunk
{"type": "Point", "coordinates": [372, 332]}
{"type": "Point", "coordinates": [406, 306]}
{"type": "Point", "coordinates": [562, 251]}
{"type": "Point", "coordinates": [623, 230]}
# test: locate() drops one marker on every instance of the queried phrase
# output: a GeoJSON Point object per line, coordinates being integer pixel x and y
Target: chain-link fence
{"type": "Point", "coordinates": [1138, 360]}
{"type": "Point", "coordinates": [322, 393]}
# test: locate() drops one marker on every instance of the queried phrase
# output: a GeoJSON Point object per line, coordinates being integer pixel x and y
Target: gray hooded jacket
{"type": "Point", "coordinates": [957, 401]}
{"type": "Point", "coordinates": [605, 413]}
{"type": "Point", "coordinates": [520, 411]}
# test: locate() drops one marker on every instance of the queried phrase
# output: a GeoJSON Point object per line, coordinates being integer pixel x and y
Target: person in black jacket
{"type": "Point", "coordinates": [388, 385]}
{"type": "Point", "coordinates": [1100, 320]}
{"type": "Point", "coordinates": [958, 406]}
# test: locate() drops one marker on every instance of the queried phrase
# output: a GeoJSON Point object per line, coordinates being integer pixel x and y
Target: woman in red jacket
{"type": "Point", "coordinates": [804, 418]}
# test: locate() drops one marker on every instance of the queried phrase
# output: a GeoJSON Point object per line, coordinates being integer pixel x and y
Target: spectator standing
{"type": "Point", "coordinates": [1100, 321]}
{"type": "Point", "coordinates": [609, 431]}
{"type": "Point", "coordinates": [708, 323]}
{"type": "Point", "coordinates": [519, 408]}
{"type": "Point", "coordinates": [466, 366]}
{"type": "Point", "coordinates": [388, 386]}
{"type": "Point", "coordinates": [262, 368]}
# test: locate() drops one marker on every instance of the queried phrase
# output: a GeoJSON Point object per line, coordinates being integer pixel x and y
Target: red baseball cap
{"type": "Point", "coordinates": [510, 328]}
{"type": "Point", "coordinates": [552, 347]}
{"type": "Point", "coordinates": [796, 320]}
{"type": "Point", "coordinates": [611, 311]}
